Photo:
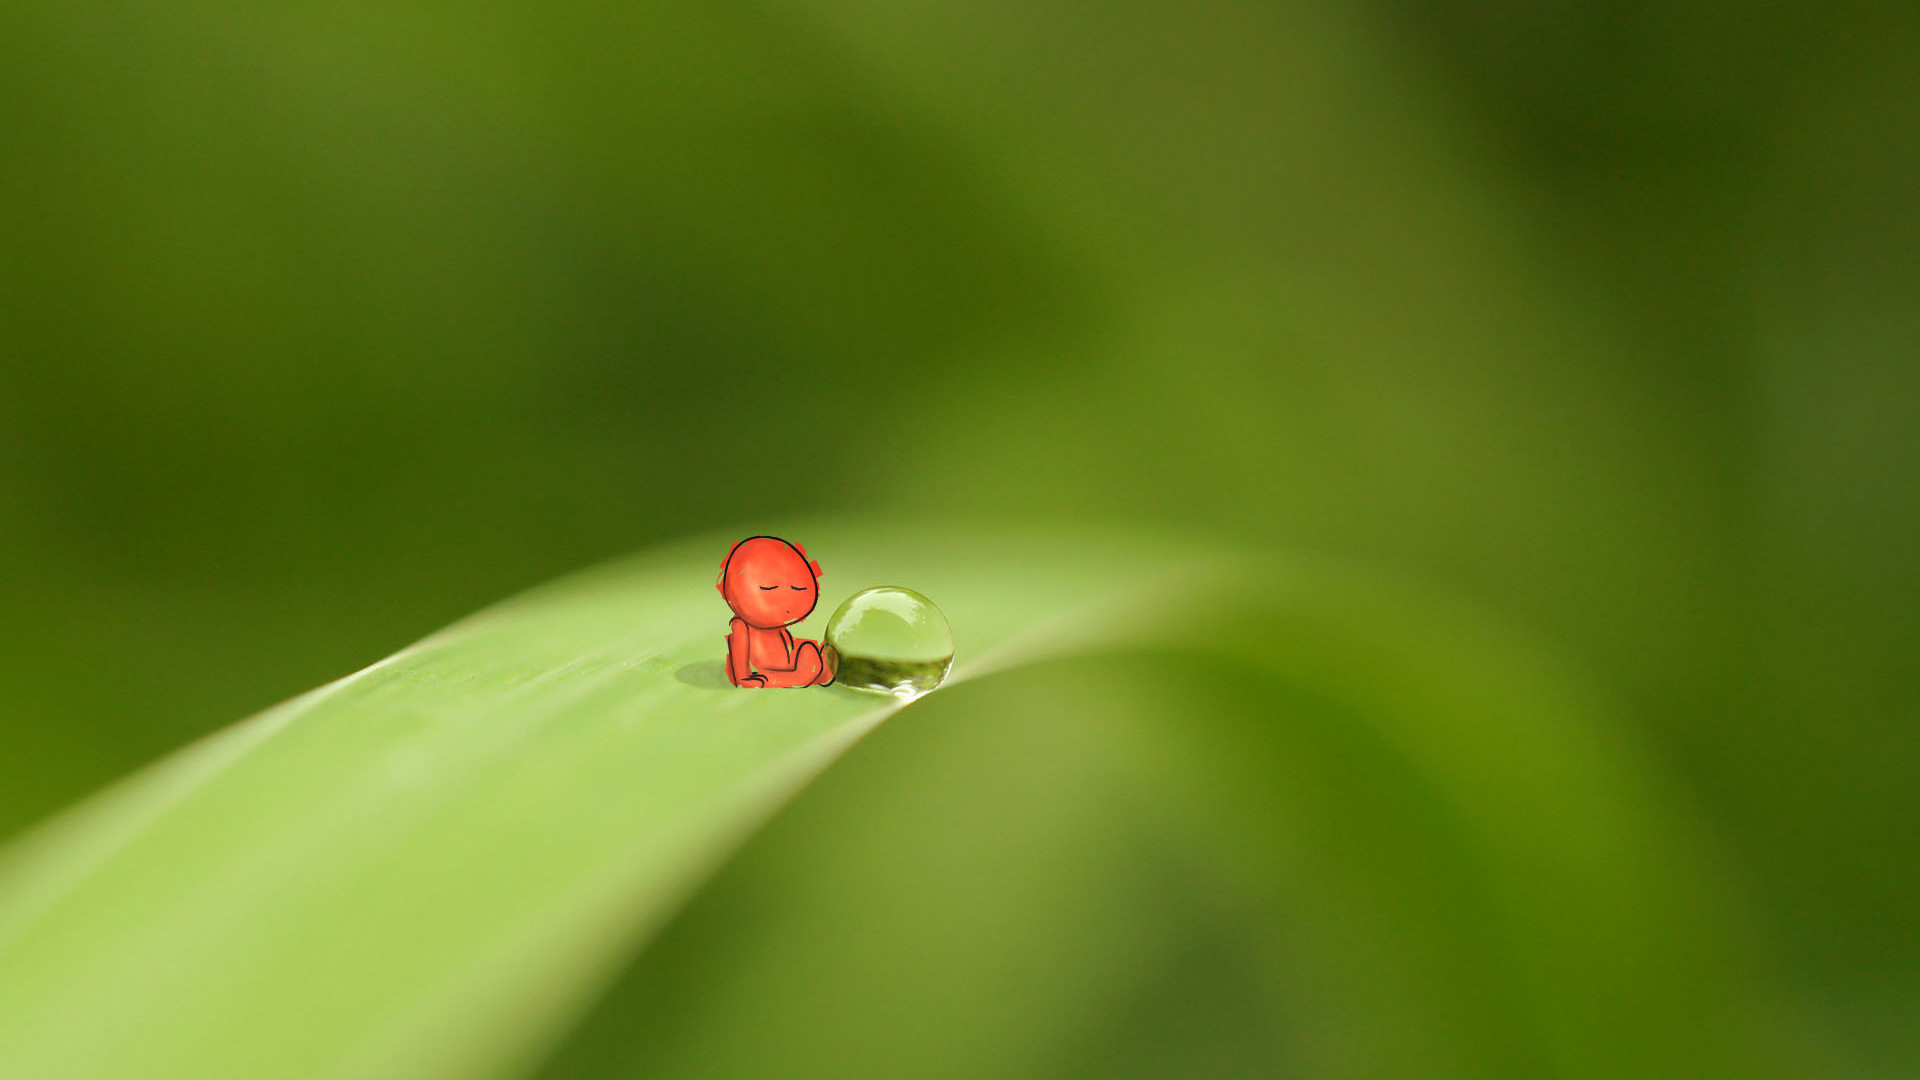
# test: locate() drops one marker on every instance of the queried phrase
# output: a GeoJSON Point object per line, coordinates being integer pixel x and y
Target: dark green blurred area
{"type": "Point", "coordinates": [320, 328]}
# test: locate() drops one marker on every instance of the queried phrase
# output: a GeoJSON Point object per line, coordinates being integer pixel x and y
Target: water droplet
{"type": "Point", "coordinates": [892, 640]}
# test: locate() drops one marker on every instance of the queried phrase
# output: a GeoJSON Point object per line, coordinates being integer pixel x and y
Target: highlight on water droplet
{"type": "Point", "coordinates": [890, 639]}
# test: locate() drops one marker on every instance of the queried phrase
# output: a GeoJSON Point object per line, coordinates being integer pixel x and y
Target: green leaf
{"type": "Point", "coordinates": [434, 867]}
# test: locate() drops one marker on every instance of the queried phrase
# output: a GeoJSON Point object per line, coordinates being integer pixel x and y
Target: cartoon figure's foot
{"type": "Point", "coordinates": [830, 665]}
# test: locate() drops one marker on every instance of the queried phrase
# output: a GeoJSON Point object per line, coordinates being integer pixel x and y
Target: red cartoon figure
{"type": "Point", "coordinates": [770, 584]}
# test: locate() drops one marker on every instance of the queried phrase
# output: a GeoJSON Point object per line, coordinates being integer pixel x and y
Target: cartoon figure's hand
{"type": "Point", "coordinates": [755, 679]}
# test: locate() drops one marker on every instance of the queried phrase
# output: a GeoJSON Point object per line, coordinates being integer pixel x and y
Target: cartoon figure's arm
{"type": "Point", "coordinates": [739, 663]}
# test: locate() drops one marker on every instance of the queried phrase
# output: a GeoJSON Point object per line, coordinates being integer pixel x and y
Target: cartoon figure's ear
{"type": "Point", "coordinates": [802, 549]}
{"type": "Point", "coordinates": [816, 568]}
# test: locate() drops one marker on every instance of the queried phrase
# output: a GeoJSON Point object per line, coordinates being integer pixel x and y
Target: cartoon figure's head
{"type": "Point", "coordinates": [769, 582]}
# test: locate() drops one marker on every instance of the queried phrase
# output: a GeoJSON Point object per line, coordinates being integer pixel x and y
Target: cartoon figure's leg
{"type": "Point", "coordinates": [807, 668]}
{"type": "Point", "coordinates": [808, 656]}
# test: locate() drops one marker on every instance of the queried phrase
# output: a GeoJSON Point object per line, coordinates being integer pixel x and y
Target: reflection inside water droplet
{"type": "Point", "coordinates": [892, 640]}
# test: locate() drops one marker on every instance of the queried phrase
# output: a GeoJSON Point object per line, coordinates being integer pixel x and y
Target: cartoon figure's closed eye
{"type": "Point", "coordinates": [760, 650]}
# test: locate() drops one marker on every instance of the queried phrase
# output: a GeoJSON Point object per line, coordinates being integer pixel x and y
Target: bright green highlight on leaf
{"type": "Point", "coordinates": [425, 868]}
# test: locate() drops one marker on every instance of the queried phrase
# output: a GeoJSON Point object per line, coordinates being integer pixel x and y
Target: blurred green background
{"type": "Point", "coordinates": [322, 326]}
